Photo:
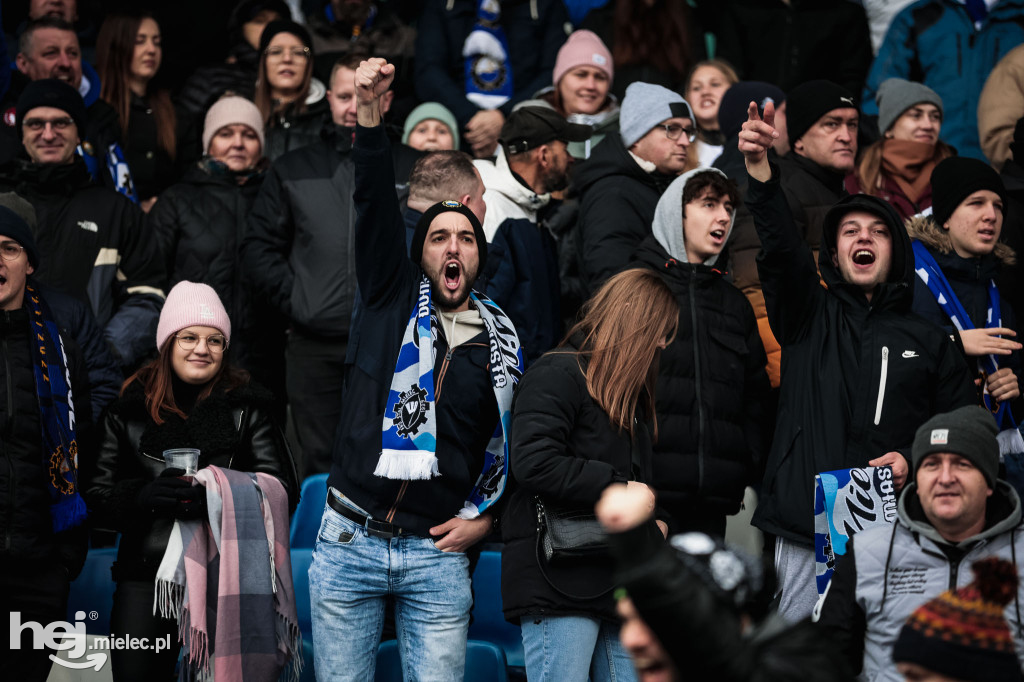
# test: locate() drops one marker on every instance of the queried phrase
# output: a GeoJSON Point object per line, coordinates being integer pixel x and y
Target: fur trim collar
{"type": "Point", "coordinates": [925, 230]}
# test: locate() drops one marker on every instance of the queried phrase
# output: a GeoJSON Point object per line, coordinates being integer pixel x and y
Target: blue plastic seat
{"type": "Point", "coordinates": [301, 559]}
{"type": "Point", "coordinates": [92, 592]}
{"type": "Point", "coordinates": [485, 662]}
{"type": "Point", "coordinates": [489, 624]}
{"type": "Point", "coordinates": [306, 521]}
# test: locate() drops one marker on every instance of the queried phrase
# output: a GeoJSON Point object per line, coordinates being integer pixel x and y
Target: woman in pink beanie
{"type": "Point", "coordinates": [188, 397]}
{"type": "Point", "coordinates": [580, 88]}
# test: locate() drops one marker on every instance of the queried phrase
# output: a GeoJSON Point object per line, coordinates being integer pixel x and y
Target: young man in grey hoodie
{"type": "Point", "coordinates": [712, 386]}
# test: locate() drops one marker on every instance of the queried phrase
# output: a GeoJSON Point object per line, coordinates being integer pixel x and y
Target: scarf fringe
{"type": "Point", "coordinates": [168, 598]}
{"type": "Point", "coordinates": [196, 666]}
{"type": "Point", "coordinates": [289, 639]}
{"type": "Point", "coordinates": [407, 465]}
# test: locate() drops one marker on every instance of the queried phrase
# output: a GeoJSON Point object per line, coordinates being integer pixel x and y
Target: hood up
{"type": "Point", "coordinates": [897, 290]}
{"type": "Point", "coordinates": [925, 230]}
{"type": "Point", "coordinates": [668, 218]}
{"type": "Point", "coordinates": [498, 180]}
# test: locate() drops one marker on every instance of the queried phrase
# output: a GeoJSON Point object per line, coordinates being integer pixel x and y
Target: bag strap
{"type": "Point", "coordinates": [541, 561]}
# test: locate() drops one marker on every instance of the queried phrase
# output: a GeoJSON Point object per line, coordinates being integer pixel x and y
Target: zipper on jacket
{"type": "Point", "coordinates": [954, 569]}
{"type": "Point", "coordinates": [881, 384]}
{"type": "Point", "coordinates": [8, 425]}
{"type": "Point", "coordinates": [697, 383]}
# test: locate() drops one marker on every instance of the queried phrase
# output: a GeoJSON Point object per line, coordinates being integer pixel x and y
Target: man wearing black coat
{"type": "Point", "coordinates": [860, 372]}
{"type": "Point", "coordinates": [42, 516]}
{"type": "Point", "coordinates": [712, 386]}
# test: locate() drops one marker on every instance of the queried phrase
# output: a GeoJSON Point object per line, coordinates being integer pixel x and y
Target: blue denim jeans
{"type": "Point", "coordinates": [352, 573]}
{"type": "Point", "coordinates": [571, 648]}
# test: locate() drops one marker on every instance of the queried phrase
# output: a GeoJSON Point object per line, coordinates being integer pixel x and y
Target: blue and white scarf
{"type": "Point", "coordinates": [408, 439]}
{"type": "Point", "coordinates": [487, 67]}
{"type": "Point", "coordinates": [56, 415]}
{"type": "Point", "coordinates": [931, 274]}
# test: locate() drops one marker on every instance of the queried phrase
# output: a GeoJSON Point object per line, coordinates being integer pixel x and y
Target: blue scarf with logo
{"type": "Point", "coordinates": [931, 274]}
{"type": "Point", "coordinates": [487, 67]}
{"type": "Point", "coordinates": [56, 415]}
{"type": "Point", "coordinates": [408, 433]}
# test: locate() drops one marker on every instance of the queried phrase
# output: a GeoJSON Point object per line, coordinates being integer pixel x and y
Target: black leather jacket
{"type": "Point", "coordinates": [233, 430]}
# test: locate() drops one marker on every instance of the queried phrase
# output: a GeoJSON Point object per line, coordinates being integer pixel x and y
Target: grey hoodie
{"type": "Point", "coordinates": [667, 225]}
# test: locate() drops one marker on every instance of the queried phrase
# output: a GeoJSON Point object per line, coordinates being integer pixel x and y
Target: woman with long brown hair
{"type": "Point", "coordinates": [128, 57]}
{"type": "Point", "coordinates": [188, 397]}
{"type": "Point", "coordinates": [292, 101]}
{"type": "Point", "coordinates": [898, 167]}
{"type": "Point", "coordinates": [580, 423]}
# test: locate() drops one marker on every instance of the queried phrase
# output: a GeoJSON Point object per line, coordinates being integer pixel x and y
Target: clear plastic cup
{"type": "Point", "coordinates": [183, 458]}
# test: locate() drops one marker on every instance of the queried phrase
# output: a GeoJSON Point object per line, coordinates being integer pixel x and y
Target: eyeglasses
{"type": "Point", "coordinates": [215, 343]}
{"type": "Point", "coordinates": [10, 251]}
{"type": "Point", "coordinates": [277, 52]}
{"type": "Point", "coordinates": [37, 124]}
{"type": "Point", "coordinates": [674, 131]}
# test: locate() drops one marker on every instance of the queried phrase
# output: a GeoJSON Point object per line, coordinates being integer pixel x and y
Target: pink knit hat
{"type": "Point", "coordinates": [192, 304]}
{"type": "Point", "coordinates": [583, 48]}
{"type": "Point", "coordinates": [228, 111]}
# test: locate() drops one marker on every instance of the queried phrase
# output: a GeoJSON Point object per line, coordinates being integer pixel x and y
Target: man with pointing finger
{"type": "Point", "coordinates": [860, 372]}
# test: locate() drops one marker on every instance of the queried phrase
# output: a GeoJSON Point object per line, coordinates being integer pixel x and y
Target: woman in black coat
{"type": "Point", "coordinates": [188, 397]}
{"type": "Point", "coordinates": [579, 424]}
{"type": "Point", "coordinates": [200, 224]}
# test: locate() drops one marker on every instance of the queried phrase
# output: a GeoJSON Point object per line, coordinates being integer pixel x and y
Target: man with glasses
{"type": "Point", "coordinates": [621, 182]}
{"type": "Point", "coordinates": [92, 237]}
{"type": "Point", "coordinates": [522, 272]}
{"type": "Point", "coordinates": [44, 419]}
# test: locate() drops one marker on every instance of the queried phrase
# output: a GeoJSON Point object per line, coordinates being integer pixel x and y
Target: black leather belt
{"type": "Point", "coordinates": [378, 529]}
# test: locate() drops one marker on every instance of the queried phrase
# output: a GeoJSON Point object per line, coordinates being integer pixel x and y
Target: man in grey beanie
{"type": "Point", "coordinates": [956, 512]}
{"type": "Point", "coordinates": [621, 182]}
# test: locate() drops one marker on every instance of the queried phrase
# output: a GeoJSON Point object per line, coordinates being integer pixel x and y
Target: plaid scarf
{"type": "Point", "coordinates": [408, 438]}
{"type": "Point", "coordinates": [201, 582]}
{"type": "Point", "coordinates": [56, 415]}
{"type": "Point", "coordinates": [931, 274]}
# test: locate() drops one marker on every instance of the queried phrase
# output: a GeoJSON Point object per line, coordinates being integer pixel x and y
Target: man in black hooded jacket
{"type": "Point", "coordinates": [860, 372]}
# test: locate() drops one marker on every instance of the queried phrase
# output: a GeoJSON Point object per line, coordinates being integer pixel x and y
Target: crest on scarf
{"type": "Point", "coordinates": [410, 411]}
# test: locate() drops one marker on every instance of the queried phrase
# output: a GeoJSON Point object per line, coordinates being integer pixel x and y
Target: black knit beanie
{"type": "Point", "coordinates": [284, 26]}
{"type": "Point", "coordinates": [958, 177]}
{"type": "Point", "coordinates": [50, 92]}
{"type": "Point", "coordinates": [968, 431]}
{"type": "Point", "coordinates": [13, 226]}
{"type": "Point", "coordinates": [809, 101]}
{"type": "Point", "coordinates": [420, 234]}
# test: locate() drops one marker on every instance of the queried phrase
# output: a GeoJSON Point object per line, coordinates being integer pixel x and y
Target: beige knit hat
{"type": "Point", "coordinates": [229, 111]}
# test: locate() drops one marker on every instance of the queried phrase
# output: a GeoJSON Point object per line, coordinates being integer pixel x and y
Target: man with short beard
{"type": "Point", "coordinates": [420, 456]}
{"type": "Point", "coordinates": [522, 272]}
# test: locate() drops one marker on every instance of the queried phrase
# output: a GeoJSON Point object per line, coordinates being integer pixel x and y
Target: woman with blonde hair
{"type": "Point", "coordinates": [898, 167]}
{"type": "Point", "coordinates": [705, 85]}
{"type": "Point", "coordinates": [583, 419]}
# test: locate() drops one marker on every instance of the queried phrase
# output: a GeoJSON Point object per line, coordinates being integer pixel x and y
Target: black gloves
{"type": "Point", "coordinates": [171, 496]}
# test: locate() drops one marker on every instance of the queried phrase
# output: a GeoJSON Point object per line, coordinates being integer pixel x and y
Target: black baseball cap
{"type": "Point", "coordinates": [529, 127]}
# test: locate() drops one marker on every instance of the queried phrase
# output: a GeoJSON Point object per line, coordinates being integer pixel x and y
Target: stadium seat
{"type": "Point", "coordinates": [485, 662]}
{"type": "Point", "coordinates": [489, 624]}
{"type": "Point", "coordinates": [306, 521]}
{"type": "Point", "coordinates": [92, 592]}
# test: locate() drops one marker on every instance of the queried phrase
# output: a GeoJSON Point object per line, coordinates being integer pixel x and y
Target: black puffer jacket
{"type": "Point", "coordinates": [200, 224]}
{"type": "Point", "coordinates": [25, 528]}
{"type": "Point", "coordinates": [232, 430]}
{"type": "Point", "coordinates": [291, 129]}
{"type": "Point", "coordinates": [811, 190]}
{"type": "Point", "coordinates": [566, 450]}
{"type": "Point", "coordinates": [711, 393]}
{"type": "Point", "coordinates": [209, 83]}
{"type": "Point", "coordinates": [858, 377]}
{"type": "Point", "coordinates": [617, 201]}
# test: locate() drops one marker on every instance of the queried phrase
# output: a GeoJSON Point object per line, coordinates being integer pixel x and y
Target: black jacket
{"type": "Point", "coordinates": [94, 247]}
{"type": "Point", "coordinates": [858, 378]}
{"type": "Point", "coordinates": [617, 202]}
{"type": "Point", "coordinates": [289, 129]}
{"type": "Point", "coordinates": [565, 450]}
{"type": "Point", "coordinates": [232, 430]}
{"type": "Point", "coordinates": [26, 532]}
{"type": "Point", "coordinates": [466, 409]}
{"type": "Point", "coordinates": [200, 224]}
{"type": "Point", "coordinates": [710, 395]}
{"type": "Point", "coordinates": [535, 30]}
{"type": "Point", "coordinates": [811, 190]}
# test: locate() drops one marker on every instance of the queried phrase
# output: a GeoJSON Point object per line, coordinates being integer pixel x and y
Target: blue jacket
{"type": "Point", "coordinates": [935, 42]}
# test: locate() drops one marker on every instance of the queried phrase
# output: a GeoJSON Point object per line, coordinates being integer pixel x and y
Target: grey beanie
{"type": "Point", "coordinates": [896, 95]}
{"type": "Point", "coordinates": [968, 431]}
{"type": "Point", "coordinates": [645, 106]}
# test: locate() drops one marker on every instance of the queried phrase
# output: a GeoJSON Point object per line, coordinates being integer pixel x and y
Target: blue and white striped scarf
{"type": "Point", "coordinates": [408, 439]}
{"type": "Point", "coordinates": [931, 274]}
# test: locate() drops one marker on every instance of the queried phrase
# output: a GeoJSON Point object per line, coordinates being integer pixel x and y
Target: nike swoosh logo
{"type": "Point", "coordinates": [909, 354]}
